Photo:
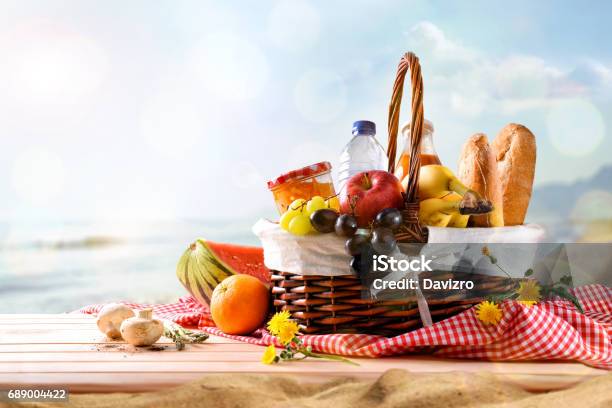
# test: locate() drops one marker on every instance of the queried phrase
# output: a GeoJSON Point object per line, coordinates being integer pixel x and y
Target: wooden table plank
{"type": "Point", "coordinates": [68, 350]}
{"type": "Point", "coordinates": [21, 316]}
{"type": "Point", "coordinates": [78, 348]}
{"type": "Point", "coordinates": [80, 334]}
{"type": "Point", "coordinates": [251, 363]}
{"type": "Point", "coordinates": [16, 318]}
{"type": "Point", "coordinates": [102, 356]}
{"type": "Point", "coordinates": [252, 354]}
{"type": "Point", "coordinates": [48, 322]}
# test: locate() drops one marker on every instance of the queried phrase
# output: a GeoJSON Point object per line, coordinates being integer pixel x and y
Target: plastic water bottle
{"type": "Point", "coordinates": [362, 153]}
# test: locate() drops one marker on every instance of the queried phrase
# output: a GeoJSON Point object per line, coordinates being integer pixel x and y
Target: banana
{"type": "Point", "coordinates": [445, 200]}
{"type": "Point", "coordinates": [434, 179]}
{"type": "Point", "coordinates": [457, 220]}
{"type": "Point", "coordinates": [438, 219]}
{"type": "Point", "coordinates": [437, 212]}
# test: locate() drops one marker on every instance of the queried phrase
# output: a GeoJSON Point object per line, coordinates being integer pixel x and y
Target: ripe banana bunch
{"type": "Point", "coordinates": [445, 201]}
{"type": "Point", "coordinates": [443, 211]}
{"type": "Point", "coordinates": [458, 220]}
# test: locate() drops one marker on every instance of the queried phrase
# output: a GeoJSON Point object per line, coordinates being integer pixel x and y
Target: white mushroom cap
{"type": "Point", "coordinates": [142, 330]}
{"type": "Point", "coordinates": [110, 318]}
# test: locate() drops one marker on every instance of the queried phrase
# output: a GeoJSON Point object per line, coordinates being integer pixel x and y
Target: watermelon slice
{"type": "Point", "coordinates": [206, 263]}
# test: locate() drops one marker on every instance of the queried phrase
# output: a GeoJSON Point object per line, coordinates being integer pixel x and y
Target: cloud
{"type": "Point", "coordinates": [593, 77]}
{"type": "Point", "coordinates": [426, 36]}
{"type": "Point", "coordinates": [473, 83]}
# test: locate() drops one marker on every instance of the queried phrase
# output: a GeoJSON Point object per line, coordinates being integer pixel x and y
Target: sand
{"type": "Point", "coordinates": [395, 388]}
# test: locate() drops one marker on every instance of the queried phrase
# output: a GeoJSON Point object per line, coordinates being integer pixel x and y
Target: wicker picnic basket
{"type": "Point", "coordinates": [333, 304]}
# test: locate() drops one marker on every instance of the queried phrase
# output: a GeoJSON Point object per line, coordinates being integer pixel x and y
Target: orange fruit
{"type": "Point", "coordinates": [239, 304]}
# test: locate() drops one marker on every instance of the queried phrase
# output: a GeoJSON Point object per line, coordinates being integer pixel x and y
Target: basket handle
{"type": "Point", "coordinates": [408, 61]}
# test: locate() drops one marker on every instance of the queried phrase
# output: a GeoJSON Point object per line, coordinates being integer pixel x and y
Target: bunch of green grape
{"type": "Point", "coordinates": [296, 219]}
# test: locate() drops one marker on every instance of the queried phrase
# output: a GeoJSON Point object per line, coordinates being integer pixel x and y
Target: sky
{"type": "Point", "coordinates": [115, 110]}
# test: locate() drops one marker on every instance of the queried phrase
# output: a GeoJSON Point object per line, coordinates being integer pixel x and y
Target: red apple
{"type": "Point", "coordinates": [368, 193]}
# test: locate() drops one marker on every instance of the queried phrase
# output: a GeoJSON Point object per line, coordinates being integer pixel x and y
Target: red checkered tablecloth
{"type": "Point", "coordinates": [550, 330]}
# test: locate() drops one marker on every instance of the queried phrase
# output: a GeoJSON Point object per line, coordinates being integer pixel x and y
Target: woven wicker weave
{"type": "Point", "coordinates": [324, 304]}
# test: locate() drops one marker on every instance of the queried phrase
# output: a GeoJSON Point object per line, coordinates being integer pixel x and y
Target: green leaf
{"type": "Point", "coordinates": [528, 272]}
{"type": "Point", "coordinates": [566, 280]}
{"type": "Point", "coordinates": [563, 293]}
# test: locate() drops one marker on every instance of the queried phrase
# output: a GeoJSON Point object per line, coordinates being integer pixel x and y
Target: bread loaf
{"type": "Point", "coordinates": [478, 171]}
{"type": "Point", "coordinates": [515, 152]}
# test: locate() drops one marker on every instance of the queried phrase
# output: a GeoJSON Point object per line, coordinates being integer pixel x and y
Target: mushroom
{"type": "Point", "coordinates": [142, 330]}
{"type": "Point", "coordinates": [110, 318]}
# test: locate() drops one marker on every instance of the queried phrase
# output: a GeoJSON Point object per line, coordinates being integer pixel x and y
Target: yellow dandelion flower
{"type": "Point", "coordinates": [488, 312]}
{"type": "Point", "coordinates": [528, 303]}
{"type": "Point", "coordinates": [485, 251]}
{"type": "Point", "coordinates": [278, 321]}
{"type": "Point", "coordinates": [288, 332]}
{"type": "Point", "coordinates": [529, 290]}
{"type": "Point", "coordinates": [269, 355]}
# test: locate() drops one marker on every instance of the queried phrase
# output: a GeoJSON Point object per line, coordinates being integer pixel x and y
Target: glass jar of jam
{"type": "Point", "coordinates": [428, 152]}
{"type": "Point", "coordinates": [305, 183]}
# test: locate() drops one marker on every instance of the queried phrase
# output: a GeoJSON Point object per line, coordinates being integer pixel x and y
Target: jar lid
{"type": "Point", "coordinates": [304, 172]}
{"type": "Point", "coordinates": [427, 127]}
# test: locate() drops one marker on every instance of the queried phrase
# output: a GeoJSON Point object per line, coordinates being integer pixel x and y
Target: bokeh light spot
{"type": "Point", "coordinates": [48, 63]}
{"type": "Point", "coordinates": [575, 127]}
{"type": "Point", "coordinates": [593, 205]}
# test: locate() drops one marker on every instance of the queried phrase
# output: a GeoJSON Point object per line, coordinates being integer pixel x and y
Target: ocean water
{"type": "Point", "coordinates": [56, 267]}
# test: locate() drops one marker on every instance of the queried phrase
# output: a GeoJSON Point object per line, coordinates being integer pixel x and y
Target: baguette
{"type": "Point", "coordinates": [515, 152]}
{"type": "Point", "coordinates": [478, 171]}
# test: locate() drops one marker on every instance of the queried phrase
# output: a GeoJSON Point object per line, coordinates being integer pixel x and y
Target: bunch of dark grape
{"type": "Point", "coordinates": [362, 244]}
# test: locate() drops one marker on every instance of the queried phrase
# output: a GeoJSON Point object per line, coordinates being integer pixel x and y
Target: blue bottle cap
{"type": "Point", "coordinates": [364, 127]}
